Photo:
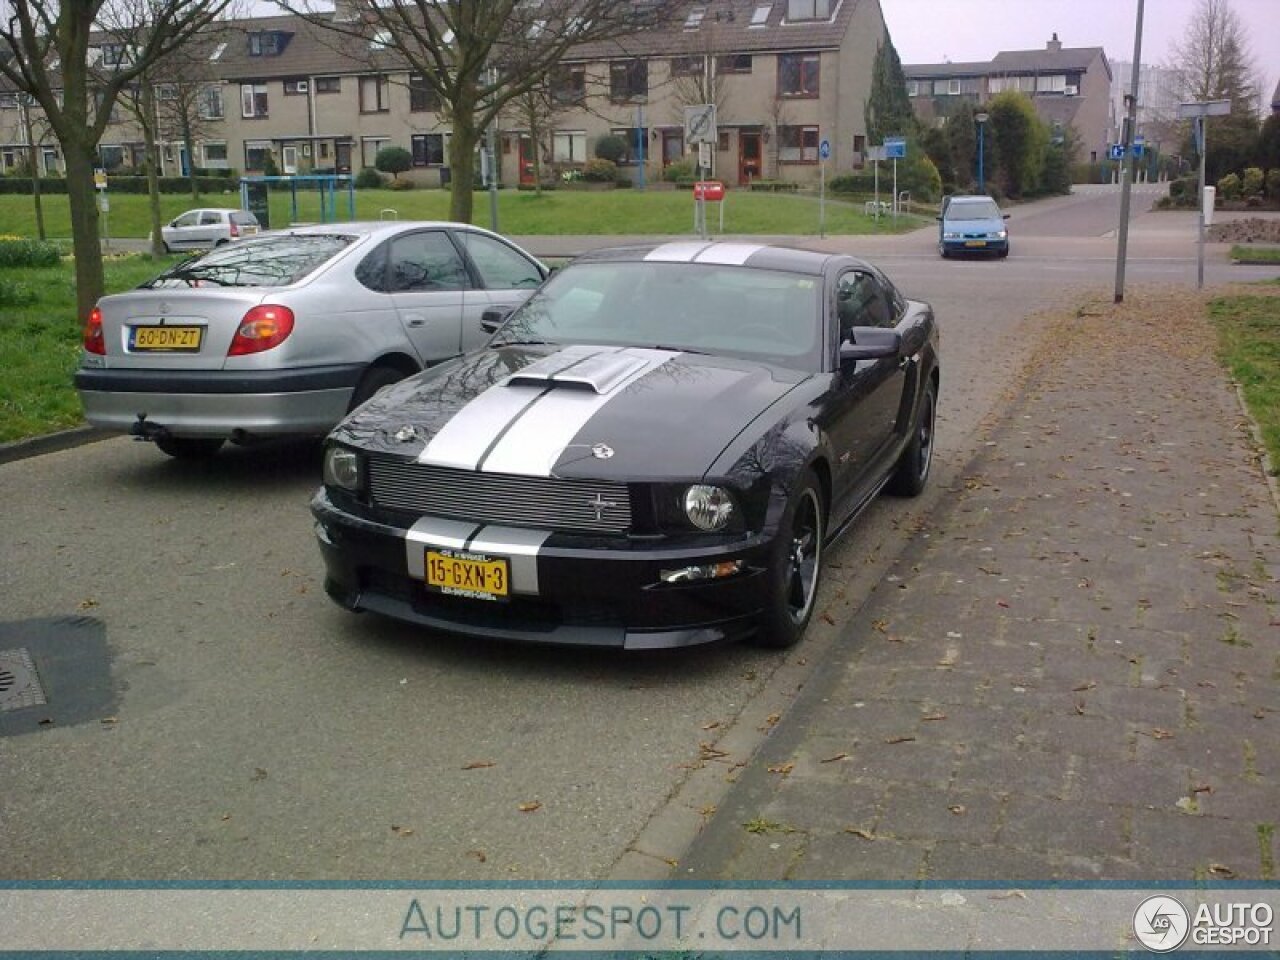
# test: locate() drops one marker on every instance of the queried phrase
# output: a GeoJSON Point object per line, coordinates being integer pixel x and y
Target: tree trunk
{"type": "Point", "coordinates": [85, 245]}
{"type": "Point", "coordinates": [462, 158]}
{"type": "Point", "coordinates": [35, 179]}
{"type": "Point", "coordinates": [535, 144]}
{"type": "Point", "coordinates": [152, 150]}
{"type": "Point", "coordinates": [188, 140]}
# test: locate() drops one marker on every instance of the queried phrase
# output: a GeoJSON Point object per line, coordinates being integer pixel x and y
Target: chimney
{"type": "Point", "coordinates": [1054, 45]}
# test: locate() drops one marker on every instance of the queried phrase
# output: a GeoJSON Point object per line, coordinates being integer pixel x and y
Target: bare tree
{"type": "Point", "coordinates": [479, 55]}
{"type": "Point", "coordinates": [44, 51]}
{"type": "Point", "coordinates": [536, 109]}
{"type": "Point", "coordinates": [139, 99]}
{"type": "Point", "coordinates": [33, 147]}
{"type": "Point", "coordinates": [1216, 64]}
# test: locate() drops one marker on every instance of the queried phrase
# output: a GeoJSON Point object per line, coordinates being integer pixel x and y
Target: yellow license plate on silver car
{"type": "Point", "coordinates": [166, 338]}
{"type": "Point", "coordinates": [462, 574]}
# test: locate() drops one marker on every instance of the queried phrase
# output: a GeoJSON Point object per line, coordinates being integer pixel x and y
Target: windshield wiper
{"type": "Point", "coordinates": [525, 343]}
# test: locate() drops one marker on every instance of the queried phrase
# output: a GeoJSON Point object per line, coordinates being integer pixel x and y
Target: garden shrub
{"type": "Point", "coordinates": [680, 170]}
{"type": "Point", "coordinates": [1251, 184]}
{"type": "Point", "coordinates": [368, 179]}
{"type": "Point", "coordinates": [21, 252]}
{"type": "Point", "coordinates": [1229, 187]}
{"type": "Point", "coordinates": [14, 294]}
{"type": "Point", "coordinates": [600, 170]}
{"type": "Point", "coordinates": [611, 147]}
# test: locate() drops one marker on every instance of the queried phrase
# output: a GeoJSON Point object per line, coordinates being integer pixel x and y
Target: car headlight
{"type": "Point", "coordinates": [951, 236]}
{"type": "Point", "coordinates": [1002, 235]}
{"type": "Point", "coordinates": [341, 468]}
{"type": "Point", "coordinates": [708, 507]}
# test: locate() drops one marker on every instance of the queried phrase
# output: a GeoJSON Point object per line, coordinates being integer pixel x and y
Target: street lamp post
{"type": "Point", "coordinates": [1196, 111]}
{"type": "Point", "coordinates": [982, 151]}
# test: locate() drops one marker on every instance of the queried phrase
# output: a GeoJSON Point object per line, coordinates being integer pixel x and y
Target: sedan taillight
{"type": "Point", "coordinates": [235, 230]}
{"type": "Point", "coordinates": [94, 341]}
{"type": "Point", "coordinates": [263, 327]}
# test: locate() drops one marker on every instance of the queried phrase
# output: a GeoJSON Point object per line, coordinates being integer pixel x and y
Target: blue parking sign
{"type": "Point", "coordinates": [824, 150]}
{"type": "Point", "coordinates": [1117, 151]}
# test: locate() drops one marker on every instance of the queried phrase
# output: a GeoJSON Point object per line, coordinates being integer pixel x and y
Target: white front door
{"type": "Point", "coordinates": [290, 158]}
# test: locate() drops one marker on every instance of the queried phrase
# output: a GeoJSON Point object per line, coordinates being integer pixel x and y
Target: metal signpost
{"type": "Point", "coordinates": [824, 154]}
{"type": "Point", "coordinates": [875, 155]}
{"type": "Point", "coordinates": [895, 150]}
{"type": "Point", "coordinates": [104, 204]}
{"type": "Point", "coordinates": [700, 129]}
{"type": "Point", "coordinates": [1196, 111]}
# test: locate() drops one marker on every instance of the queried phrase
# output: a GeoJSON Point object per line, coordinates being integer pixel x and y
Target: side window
{"type": "Point", "coordinates": [500, 267]}
{"type": "Point", "coordinates": [425, 262]}
{"type": "Point", "coordinates": [210, 218]}
{"type": "Point", "coordinates": [861, 301]}
{"type": "Point", "coordinates": [372, 270]}
{"type": "Point", "coordinates": [188, 219]}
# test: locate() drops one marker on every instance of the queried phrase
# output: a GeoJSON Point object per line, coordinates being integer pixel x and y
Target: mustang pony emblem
{"type": "Point", "coordinates": [601, 451]}
{"type": "Point", "coordinates": [600, 505]}
{"type": "Point", "coordinates": [406, 434]}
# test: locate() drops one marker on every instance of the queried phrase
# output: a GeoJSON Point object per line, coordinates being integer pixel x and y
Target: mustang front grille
{"type": "Point", "coordinates": [551, 503]}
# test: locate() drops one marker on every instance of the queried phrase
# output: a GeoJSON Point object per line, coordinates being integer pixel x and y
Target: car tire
{"type": "Point", "coordinates": [911, 474]}
{"type": "Point", "coordinates": [1004, 253]}
{"type": "Point", "coordinates": [221, 243]}
{"type": "Point", "coordinates": [374, 379]}
{"type": "Point", "coordinates": [795, 568]}
{"type": "Point", "coordinates": [189, 448]}
{"type": "Point", "coordinates": [942, 251]}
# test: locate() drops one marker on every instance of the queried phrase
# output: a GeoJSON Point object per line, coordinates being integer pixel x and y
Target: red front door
{"type": "Point", "coordinates": [750, 161]}
{"type": "Point", "coordinates": [672, 146]}
{"type": "Point", "coordinates": [526, 160]}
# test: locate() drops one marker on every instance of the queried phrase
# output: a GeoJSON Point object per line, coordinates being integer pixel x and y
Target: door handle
{"type": "Point", "coordinates": [416, 320]}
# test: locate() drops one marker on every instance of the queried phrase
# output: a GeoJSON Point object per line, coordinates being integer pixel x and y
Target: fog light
{"type": "Point", "coordinates": [703, 571]}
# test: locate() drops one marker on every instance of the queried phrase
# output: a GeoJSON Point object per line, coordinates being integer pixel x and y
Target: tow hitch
{"type": "Point", "coordinates": [143, 429]}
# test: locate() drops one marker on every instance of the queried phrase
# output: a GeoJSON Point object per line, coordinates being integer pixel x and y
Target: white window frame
{"type": "Point", "coordinates": [569, 146]}
{"type": "Point", "coordinates": [249, 100]}
{"type": "Point", "coordinates": [224, 161]}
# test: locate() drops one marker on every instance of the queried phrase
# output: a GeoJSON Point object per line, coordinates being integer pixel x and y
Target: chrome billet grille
{"type": "Point", "coordinates": [548, 503]}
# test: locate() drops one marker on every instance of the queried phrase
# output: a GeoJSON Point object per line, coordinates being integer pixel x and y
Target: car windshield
{"type": "Point", "coordinates": [973, 210]}
{"type": "Point", "coordinates": [269, 262]}
{"type": "Point", "coordinates": [699, 308]}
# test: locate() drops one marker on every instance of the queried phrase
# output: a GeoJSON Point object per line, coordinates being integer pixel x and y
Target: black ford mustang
{"type": "Point", "coordinates": [651, 452]}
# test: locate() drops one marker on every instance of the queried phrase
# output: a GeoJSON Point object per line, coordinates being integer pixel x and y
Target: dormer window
{"type": "Point", "coordinates": [264, 44]}
{"type": "Point", "coordinates": [694, 20]}
{"type": "Point", "coordinates": [381, 40]}
{"type": "Point", "coordinates": [760, 16]}
{"type": "Point", "coordinates": [218, 51]}
{"type": "Point", "coordinates": [114, 55]}
{"type": "Point", "coordinates": [808, 10]}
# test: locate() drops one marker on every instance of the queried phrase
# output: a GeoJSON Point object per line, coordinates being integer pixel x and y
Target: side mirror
{"type": "Point", "coordinates": [493, 318]}
{"type": "Point", "coordinates": [871, 343]}
{"type": "Point", "coordinates": [939, 219]}
{"type": "Point", "coordinates": [1006, 216]}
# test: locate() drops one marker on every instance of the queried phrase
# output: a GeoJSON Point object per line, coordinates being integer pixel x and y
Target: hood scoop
{"type": "Point", "coordinates": [600, 372]}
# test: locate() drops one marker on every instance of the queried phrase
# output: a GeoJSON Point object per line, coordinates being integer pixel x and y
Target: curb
{"type": "Point", "coordinates": [1264, 458]}
{"type": "Point", "coordinates": [51, 443]}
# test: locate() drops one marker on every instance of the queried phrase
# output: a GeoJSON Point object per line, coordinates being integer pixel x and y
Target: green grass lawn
{"type": "Point", "coordinates": [519, 213]}
{"type": "Point", "coordinates": [1249, 343]}
{"type": "Point", "coordinates": [1250, 252]}
{"type": "Point", "coordinates": [40, 342]}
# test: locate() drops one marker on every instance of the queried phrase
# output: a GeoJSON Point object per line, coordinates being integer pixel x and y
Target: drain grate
{"type": "Point", "coordinates": [19, 682]}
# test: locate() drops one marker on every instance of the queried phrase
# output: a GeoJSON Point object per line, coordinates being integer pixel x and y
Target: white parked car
{"type": "Point", "coordinates": [286, 332]}
{"type": "Point", "coordinates": [198, 229]}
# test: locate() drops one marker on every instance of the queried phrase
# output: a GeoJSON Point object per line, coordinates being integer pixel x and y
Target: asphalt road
{"type": "Point", "coordinates": [250, 729]}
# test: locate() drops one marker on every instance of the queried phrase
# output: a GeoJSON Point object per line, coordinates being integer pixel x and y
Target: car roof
{"type": "Point", "coordinates": [378, 227]}
{"type": "Point", "coordinates": [971, 198]}
{"type": "Point", "coordinates": [760, 256]}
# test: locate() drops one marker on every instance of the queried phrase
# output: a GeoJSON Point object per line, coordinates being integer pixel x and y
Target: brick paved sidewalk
{"type": "Point", "coordinates": [1074, 672]}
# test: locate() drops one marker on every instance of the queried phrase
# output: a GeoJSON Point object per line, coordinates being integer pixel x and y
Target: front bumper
{"type": "Point", "coordinates": [572, 590]}
{"type": "Point", "coordinates": [975, 246]}
{"type": "Point", "coordinates": [219, 403]}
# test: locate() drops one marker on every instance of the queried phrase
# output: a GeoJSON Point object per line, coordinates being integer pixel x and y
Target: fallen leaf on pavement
{"type": "Point", "coordinates": [782, 768]}
{"type": "Point", "coordinates": [1011, 895]}
{"type": "Point", "coordinates": [1203, 788]}
{"type": "Point", "coordinates": [933, 716]}
{"type": "Point", "coordinates": [1221, 870]}
{"type": "Point", "coordinates": [899, 739]}
{"type": "Point", "coordinates": [711, 726]}
{"type": "Point", "coordinates": [958, 809]}
{"type": "Point", "coordinates": [479, 765]}
{"type": "Point", "coordinates": [530, 806]}
{"type": "Point", "coordinates": [1085, 686]}
{"type": "Point", "coordinates": [827, 618]}
{"type": "Point", "coordinates": [859, 832]}
{"type": "Point", "coordinates": [479, 855]}
{"type": "Point", "coordinates": [838, 756]}
{"type": "Point", "coordinates": [771, 720]}
{"type": "Point", "coordinates": [1002, 603]}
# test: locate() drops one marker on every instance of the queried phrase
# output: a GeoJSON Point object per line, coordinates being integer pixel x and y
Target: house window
{"type": "Point", "coordinates": [687, 66]}
{"type": "Point", "coordinates": [808, 9]}
{"type": "Point", "coordinates": [215, 154]}
{"type": "Point", "coordinates": [760, 16]}
{"type": "Point", "coordinates": [428, 149]}
{"type": "Point", "coordinates": [798, 74]}
{"type": "Point", "coordinates": [798, 144]}
{"type": "Point", "coordinates": [256, 155]}
{"type": "Point", "coordinates": [264, 44]}
{"type": "Point", "coordinates": [374, 94]}
{"type": "Point", "coordinates": [328, 84]}
{"type": "Point", "coordinates": [324, 149]}
{"type": "Point", "coordinates": [166, 91]}
{"type": "Point", "coordinates": [628, 80]}
{"type": "Point", "coordinates": [293, 88]}
{"type": "Point", "coordinates": [369, 147]}
{"type": "Point", "coordinates": [734, 63]}
{"type": "Point", "coordinates": [253, 100]}
{"type": "Point", "coordinates": [209, 103]}
{"type": "Point", "coordinates": [694, 20]}
{"type": "Point", "coordinates": [114, 55]}
{"type": "Point", "coordinates": [422, 98]}
{"type": "Point", "coordinates": [632, 136]}
{"type": "Point", "coordinates": [1052, 83]}
{"type": "Point", "coordinates": [8, 101]}
{"type": "Point", "coordinates": [111, 156]}
{"type": "Point", "coordinates": [569, 146]}
{"type": "Point", "coordinates": [913, 88]}
{"type": "Point", "coordinates": [722, 138]}
{"type": "Point", "coordinates": [381, 40]}
{"type": "Point", "coordinates": [953, 86]}
{"type": "Point", "coordinates": [569, 84]}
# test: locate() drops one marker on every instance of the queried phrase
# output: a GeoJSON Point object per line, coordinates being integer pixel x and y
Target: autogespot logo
{"type": "Point", "coordinates": [1161, 924]}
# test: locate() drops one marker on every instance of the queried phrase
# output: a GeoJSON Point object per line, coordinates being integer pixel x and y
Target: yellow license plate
{"type": "Point", "coordinates": [975, 243]}
{"type": "Point", "coordinates": [461, 574]}
{"type": "Point", "coordinates": [166, 338]}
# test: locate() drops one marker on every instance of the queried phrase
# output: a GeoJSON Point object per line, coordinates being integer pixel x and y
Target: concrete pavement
{"type": "Point", "coordinates": [1073, 671]}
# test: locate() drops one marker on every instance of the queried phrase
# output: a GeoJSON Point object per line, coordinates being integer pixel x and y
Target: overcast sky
{"type": "Point", "coordinates": [934, 31]}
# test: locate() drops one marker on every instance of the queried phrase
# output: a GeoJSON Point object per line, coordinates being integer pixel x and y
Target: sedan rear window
{"type": "Point", "coordinates": [269, 262]}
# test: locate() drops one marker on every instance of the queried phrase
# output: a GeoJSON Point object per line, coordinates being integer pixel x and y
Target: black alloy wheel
{"type": "Point", "coordinates": [912, 472]}
{"type": "Point", "coordinates": [795, 568]}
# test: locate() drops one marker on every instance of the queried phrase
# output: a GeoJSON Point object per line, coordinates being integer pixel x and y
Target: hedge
{"type": "Point", "coordinates": [118, 185]}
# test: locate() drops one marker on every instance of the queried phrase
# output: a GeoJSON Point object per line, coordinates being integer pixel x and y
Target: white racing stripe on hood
{"type": "Point", "coordinates": [533, 444]}
{"type": "Point", "coordinates": [463, 441]}
{"type": "Point", "coordinates": [681, 251]}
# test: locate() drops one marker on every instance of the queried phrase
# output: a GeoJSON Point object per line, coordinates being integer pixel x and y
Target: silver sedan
{"type": "Point", "coordinates": [284, 333]}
